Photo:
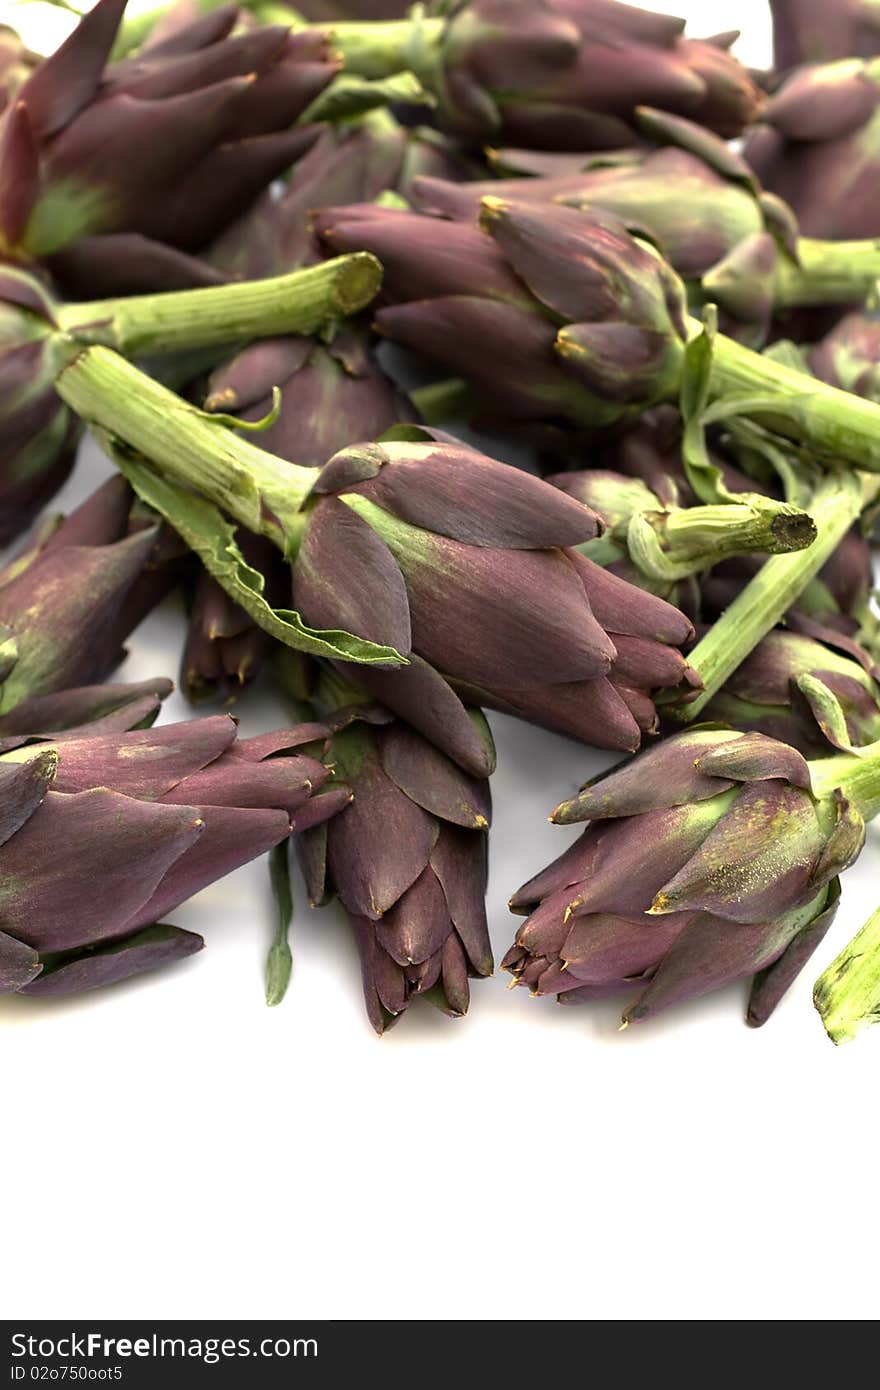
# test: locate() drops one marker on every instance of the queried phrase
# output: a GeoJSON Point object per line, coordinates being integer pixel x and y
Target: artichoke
{"type": "Point", "coordinates": [408, 861]}
{"type": "Point", "coordinates": [709, 859]}
{"type": "Point", "coordinates": [103, 834]}
{"type": "Point", "coordinates": [816, 147]}
{"type": "Point", "coordinates": [172, 143]}
{"type": "Point", "coordinates": [557, 74]}
{"type": "Point", "coordinates": [70, 600]}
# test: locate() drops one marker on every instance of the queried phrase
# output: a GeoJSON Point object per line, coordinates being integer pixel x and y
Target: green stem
{"type": "Point", "coordinates": [856, 774]}
{"type": "Point", "coordinates": [761, 604]}
{"type": "Point", "coordinates": [185, 445]}
{"type": "Point", "coordinates": [671, 545]}
{"type": "Point", "coordinates": [164, 323]}
{"type": "Point", "coordinates": [847, 994]}
{"type": "Point", "coordinates": [837, 426]}
{"type": "Point", "coordinates": [829, 272]}
{"type": "Point", "coordinates": [378, 48]}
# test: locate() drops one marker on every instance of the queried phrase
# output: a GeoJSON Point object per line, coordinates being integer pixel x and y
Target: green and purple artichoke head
{"type": "Point", "coordinates": [38, 434]}
{"type": "Point", "coordinates": [817, 148]}
{"type": "Point", "coordinates": [172, 143]}
{"type": "Point", "coordinates": [103, 834]}
{"type": "Point", "coordinates": [819, 696]}
{"type": "Point", "coordinates": [465, 567]}
{"type": "Point", "coordinates": [718, 202]}
{"type": "Point", "coordinates": [814, 31]}
{"type": "Point", "coordinates": [69, 601]}
{"type": "Point", "coordinates": [706, 860]}
{"type": "Point", "coordinates": [567, 74]}
{"type": "Point", "coordinates": [408, 861]}
{"type": "Point", "coordinates": [549, 313]}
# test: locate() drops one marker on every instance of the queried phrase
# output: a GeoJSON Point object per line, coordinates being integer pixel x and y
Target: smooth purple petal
{"type": "Point", "coordinates": [418, 923]}
{"type": "Point", "coordinates": [346, 577]}
{"type": "Point", "coordinates": [231, 836]}
{"type": "Point", "coordinates": [84, 864]}
{"type": "Point", "coordinates": [432, 781]}
{"type": "Point", "coordinates": [117, 960]}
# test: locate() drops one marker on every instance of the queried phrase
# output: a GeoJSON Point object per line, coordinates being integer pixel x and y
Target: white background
{"type": "Point", "coordinates": [173, 1148]}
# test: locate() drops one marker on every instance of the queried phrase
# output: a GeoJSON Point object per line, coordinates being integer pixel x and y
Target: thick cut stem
{"type": "Point", "coordinates": [183, 444]}
{"type": "Point", "coordinates": [836, 425]}
{"type": "Point", "coordinates": [761, 604]}
{"type": "Point", "coordinates": [300, 302]}
{"type": "Point", "coordinates": [830, 272]}
{"type": "Point", "coordinates": [847, 994]}
{"type": "Point", "coordinates": [673, 544]}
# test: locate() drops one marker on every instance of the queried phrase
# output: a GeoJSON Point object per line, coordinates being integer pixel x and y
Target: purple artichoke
{"type": "Point", "coordinates": [346, 164]}
{"type": "Point", "coordinates": [814, 31]}
{"type": "Point", "coordinates": [804, 692]}
{"type": "Point", "coordinates": [172, 144]}
{"type": "Point", "coordinates": [408, 861]}
{"type": "Point", "coordinates": [465, 566]}
{"type": "Point", "coordinates": [452, 291]}
{"type": "Point", "coordinates": [817, 148]}
{"type": "Point", "coordinates": [718, 206]}
{"type": "Point", "coordinates": [68, 602]}
{"type": "Point", "coordinates": [332, 394]}
{"type": "Point", "coordinates": [103, 834]}
{"type": "Point", "coordinates": [557, 74]}
{"type": "Point", "coordinates": [708, 859]}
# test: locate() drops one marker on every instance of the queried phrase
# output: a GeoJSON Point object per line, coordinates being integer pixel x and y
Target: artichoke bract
{"type": "Point", "coordinates": [172, 143]}
{"type": "Point", "coordinates": [99, 709]}
{"type": "Point", "coordinates": [557, 74]}
{"type": "Point", "coordinates": [817, 147]}
{"type": "Point", "coordinates": [465, 565]}
{"type": "Point", "coordinates": [103, 834]}
{"type": "Point", "coordinates": [70, 600]}
{"type": "Point", "coordinates": [711, 858]}
{"type": "Point", "coordinates": [408, 861]}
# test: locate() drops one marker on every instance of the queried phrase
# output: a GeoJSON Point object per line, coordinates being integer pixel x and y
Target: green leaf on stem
{"type": "Point", "coordinates": [208, 533]}
{"type": "Point", "coordinates": [279, 963]}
